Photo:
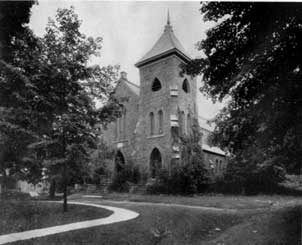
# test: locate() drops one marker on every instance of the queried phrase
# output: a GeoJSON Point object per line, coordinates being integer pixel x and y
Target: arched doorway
{"type": "Point", "coordinates": [119, 161]}
{"type": "Point", "coordinates": [155, 162]}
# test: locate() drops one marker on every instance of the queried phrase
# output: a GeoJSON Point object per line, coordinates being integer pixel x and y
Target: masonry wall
{"type": "Point", "coordinates": [167, 70]}
{"type": "Point", "coordinates": [124, 140]}
{"type": "Point", "coordinates": [215, 163]}
{"type": "Point", "coordinates": [135, 141]}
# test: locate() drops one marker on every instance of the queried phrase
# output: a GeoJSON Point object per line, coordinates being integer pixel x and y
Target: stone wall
{"type": "Point", "coordinates": [215, 163]}
{"type": "Point", "coordinates": [135, 141]}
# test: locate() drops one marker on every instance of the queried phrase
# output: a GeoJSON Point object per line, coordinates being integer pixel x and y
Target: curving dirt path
{"type": "Point", "coordinates": [119, 215]}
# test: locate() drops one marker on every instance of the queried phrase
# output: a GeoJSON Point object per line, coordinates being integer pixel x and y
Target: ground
{"type": "Point", "coordinates": [233, 220]}
{"type": "Point", "coordinates": [17, 216]}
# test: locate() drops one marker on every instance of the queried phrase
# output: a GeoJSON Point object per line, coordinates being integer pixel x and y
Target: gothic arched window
{"type": "Point", "coordinates": [160, 121]}
{"type": "Point", "coordinates": [156, 85]}
{"type": "Point", "coordinates": [151, 123]}
{"type": "Point", "coordinates": [186, 86]}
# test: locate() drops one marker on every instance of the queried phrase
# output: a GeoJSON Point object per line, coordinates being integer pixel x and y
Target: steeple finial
{"type": "Point", "coordinates": [168, 26]}
{"type": "Point", "coordinates": [168, 18]}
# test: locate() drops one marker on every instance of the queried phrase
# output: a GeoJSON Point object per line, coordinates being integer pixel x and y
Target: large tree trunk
{"type": "Point", "coordinates": [65, 209]}
{"type": "Point", "coordinates": [52, 189]}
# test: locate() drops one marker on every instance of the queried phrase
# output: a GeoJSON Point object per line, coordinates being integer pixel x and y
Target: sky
{"type": "Point", "coordinates": [130, 28]}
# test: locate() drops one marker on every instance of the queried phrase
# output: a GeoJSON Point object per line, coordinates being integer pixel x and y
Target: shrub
{"type": "Point", "coordinates": [14, 195]}
{"type": "Point", "coordinates": [122, 179]}
{"type": "Point", "coordinates": [184, 180]}
{"type": "Point", "coordinates": [250, 178]}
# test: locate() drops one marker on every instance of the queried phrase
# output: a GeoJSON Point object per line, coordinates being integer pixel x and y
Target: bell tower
{"type": "Point", "coordinates": [167, 99]}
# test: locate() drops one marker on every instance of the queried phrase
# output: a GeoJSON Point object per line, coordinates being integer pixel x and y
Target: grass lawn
{"type": "Point", "coordinates": [17, 216]}
{"type": "Point", "coordinates": [219, 201]}
{"type": "Point", "coordinates": [177, 226]}
{"type": "Point", "coordinates": [282, 227]}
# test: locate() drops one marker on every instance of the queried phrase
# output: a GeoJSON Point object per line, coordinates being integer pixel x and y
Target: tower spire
{"type": "Point", "coordinates": [168, 26]}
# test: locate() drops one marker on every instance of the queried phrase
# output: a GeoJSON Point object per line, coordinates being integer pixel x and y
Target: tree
{"type": "Point", "coordinates": [254, 64]}
{"type": "Point", "coordinates": [13, 16]}
{"type": "Point", "coordinates": [101, 160]}
{"type": "Point", "coordinates": [192, 157]}
{"type": "Point", "coordinates": [70, 87]}
{"type": "Point", "coordinates": [15, 88]}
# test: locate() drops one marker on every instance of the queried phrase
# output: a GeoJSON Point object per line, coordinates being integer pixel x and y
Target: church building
{"type": "Point", "coordinates": [164, 103]}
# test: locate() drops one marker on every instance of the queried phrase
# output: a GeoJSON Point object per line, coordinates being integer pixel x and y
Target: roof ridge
{"type": "Point", "coordinates": [132, 83]}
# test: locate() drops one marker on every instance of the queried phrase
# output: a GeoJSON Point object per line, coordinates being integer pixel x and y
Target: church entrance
{"type": "Point", "coordinates": [119, 161]}
{"type": "Point", "coordinates": [155, 162]}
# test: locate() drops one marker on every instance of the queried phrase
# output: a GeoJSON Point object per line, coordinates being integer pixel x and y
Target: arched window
{"type": "Point", "coordinates": [119, 161]}
{"type": "Point", "coordinates": [151, 123]}
{"type": "Point", "coordinates": [156, 85]}
{"type": "Point", "coordinates": [160, 122]}
{"type": "Point", "coordinates": [216, 166]}
{"type": "Point", "coordinates": [155, 162]}
{"type": "Point", "coordinates": [186, 86]}
{"type": "Point", "coordinates": [189, 126]}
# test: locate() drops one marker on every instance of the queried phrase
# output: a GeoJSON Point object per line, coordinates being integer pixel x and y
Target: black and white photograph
{"type": "Point", "coordinates": [150, 122]}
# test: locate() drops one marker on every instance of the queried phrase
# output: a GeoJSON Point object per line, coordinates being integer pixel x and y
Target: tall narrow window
{"type": "Point", "coordinates": [120, 128]}
{"type": "Point", "coordinates": [115, 130]}
{"type": "Point", "coordinates": [156, 85]}
{"type": "Point", "coordinates": [124, 123]}
{"type": "Point", "coordinates": [160, 122]}
{"type": "Point", "coordinates": [186, 86]}
{"type": "Point", "coordinates": [151, 123]}
{"type": "Point", "coordinates": [189, 126]}
{"type": "Point", "coordinates": [182, 122]}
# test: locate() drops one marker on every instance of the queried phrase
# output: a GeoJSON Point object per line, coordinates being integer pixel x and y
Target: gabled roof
{"type": "Point", "coordinates": [213, 149]}
{"type": "Point", "coordinates": [133, 87]}
{"type": "Point", "coordinates": [167, 44]}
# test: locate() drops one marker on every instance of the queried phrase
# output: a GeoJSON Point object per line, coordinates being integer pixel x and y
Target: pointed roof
{"type": "Point", "coordinates": [167, 44]}
{"type": "Point", "coordinates": [123, 79]}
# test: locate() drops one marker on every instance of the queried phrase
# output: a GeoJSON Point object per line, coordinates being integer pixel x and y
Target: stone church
{"type": "Point", "coordinates": [165, 102]}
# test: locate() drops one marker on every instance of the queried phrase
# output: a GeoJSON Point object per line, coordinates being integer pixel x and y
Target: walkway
{"type": "Point", "coordinates": [203, 208]}
{"type": "Point", "coordinates": [119, 215]}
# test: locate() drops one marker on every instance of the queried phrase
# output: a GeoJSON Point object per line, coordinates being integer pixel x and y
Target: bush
{"type": "Point", "coordinates": [184, 180]}
{"type": "Point", "coordinates": [250, 178]}
{"type": "Point", "coordinates": [14, 195]}
{"type": "Point", "coordinates": [122, 179]}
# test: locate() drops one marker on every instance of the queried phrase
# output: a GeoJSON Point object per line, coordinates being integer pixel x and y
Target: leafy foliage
{"type": "Point", "coordinates": [192, 156]}
{"type": "Point", "coordinates": [123, 178]}
{"type": "Point", "coordinates": [49, 92]}
{"type": "Point", "coordinates": [254, 64]}
{"type": "Point", "coordinates": [190, 175]}
{"type": "Point", "coordinates": [13, 17]}
{"type": "Point", "coordinates": [73, 86]}
{"type": "Point", "coordinates": [15, 90]}
{"type": "Point", "coordinates": [101, 160]}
